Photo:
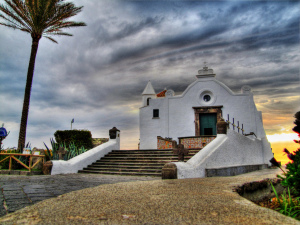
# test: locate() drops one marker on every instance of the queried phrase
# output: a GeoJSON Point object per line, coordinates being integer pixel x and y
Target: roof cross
{"type": "Point", "coordinates": [205, 66]}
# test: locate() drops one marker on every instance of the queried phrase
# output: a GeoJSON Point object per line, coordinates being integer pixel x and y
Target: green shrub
{"type": "Point", "coordinates": [77, 137]}
{"type": "Point", "coordinates": [5, 164]}
{"type": "Point", "coordinates": [291, 177]}
{"type": "Point", "coordinates": [72, 151]}
{"type": "Point", "coordinates": [287, 205]}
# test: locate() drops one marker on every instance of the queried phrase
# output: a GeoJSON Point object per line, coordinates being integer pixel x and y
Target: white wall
{"type": "Point", "coordinates": [177, 113]}
{"type": "Point", "coordinates": [151, 127]}
{"type": "Point", "coordinates": [229, 150]}
{"type": "Point", "coordinates": [83, 160]}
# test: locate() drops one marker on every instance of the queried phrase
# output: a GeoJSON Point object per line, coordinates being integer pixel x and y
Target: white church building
{"type": "Point", "coordinates": [224, 126]}
{"type": "Point", "coordinates": [191, 119]}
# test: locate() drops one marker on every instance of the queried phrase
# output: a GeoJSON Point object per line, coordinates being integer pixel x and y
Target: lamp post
{"type": "Point", "coordinates": [72, 122]}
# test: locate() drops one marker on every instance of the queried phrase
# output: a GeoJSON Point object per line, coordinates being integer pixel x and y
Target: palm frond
{"type": "Point", "coordinates": [40, 17]}
{"type": "Point", "coordinates": [60, 26]}
{"type": "Point", "coordinates": [51, 39]}
{"type": "Point", "coordinates": [63, 12]}
{"type": "Point", "coordinates": [11, 23]}
{"type": "Point", "coordinates": [59, 33]}
{"type": "Point", "coordinates": [19, 9]}
{"type": "Point", "coordinates": [12, 17]}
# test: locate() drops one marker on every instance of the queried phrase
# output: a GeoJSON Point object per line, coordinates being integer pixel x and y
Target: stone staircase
{"type": "Point", "coordinates": [134, 162]}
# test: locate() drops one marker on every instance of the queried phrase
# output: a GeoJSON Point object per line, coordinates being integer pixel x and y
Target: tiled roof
{"type": "Point", "coordinates": [161, 94]}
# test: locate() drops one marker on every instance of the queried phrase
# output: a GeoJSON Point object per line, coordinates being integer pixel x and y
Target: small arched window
{"type": "Point", "coordinates": [148, 100]}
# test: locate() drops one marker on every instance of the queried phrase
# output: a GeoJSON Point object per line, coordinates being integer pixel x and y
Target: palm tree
{"type": "Point", "coordinates": [38, 18]}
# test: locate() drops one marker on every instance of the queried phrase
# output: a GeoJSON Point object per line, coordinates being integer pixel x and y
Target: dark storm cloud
{"type": "Point", "coordinates": [286, 34]}
{"type": "Point", "coordinates": [282, 106]}
{"type": "Point", "coordinates": [125, 30]}
{"type": "Point", "coordinates": [285, 37]}
{"type": "Point", "coordinates": [292, 90]}
{"type": "Point", "coordinates": [265, 78]}
{"type": "Point", "coordinates": [134, 28]}
{"type": "Point", "coordinates": [98, 75]}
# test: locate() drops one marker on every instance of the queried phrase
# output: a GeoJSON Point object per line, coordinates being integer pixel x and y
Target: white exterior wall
{"type": "Point", "coordinates": [176, 113]}
{"type": "Point", "coordinates": [148, 124]}
{"type": "Point", "coordinates": [85, 159]}
{"type": "Point", "coordinates": [229, 150]}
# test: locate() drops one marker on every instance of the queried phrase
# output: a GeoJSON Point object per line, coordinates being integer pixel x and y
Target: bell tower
{"type": "Point", "coordinates": [148, 94]}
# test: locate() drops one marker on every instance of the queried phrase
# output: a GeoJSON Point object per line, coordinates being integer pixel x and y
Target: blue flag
{"type": "Point", "coordinates": [72, 120]}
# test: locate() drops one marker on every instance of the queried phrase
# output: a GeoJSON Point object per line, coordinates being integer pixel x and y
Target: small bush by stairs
{"type": "Point", "coordinates": [134, 162]}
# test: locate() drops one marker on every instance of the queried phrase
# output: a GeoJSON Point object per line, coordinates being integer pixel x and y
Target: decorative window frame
{"type": "Point", "coordinates": [204, 92]}
{"type": "Point", "coordinates": [206, 109]}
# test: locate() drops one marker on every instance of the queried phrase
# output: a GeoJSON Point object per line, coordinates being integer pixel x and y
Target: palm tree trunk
{"type": "Point", "coordinates": [25, 111]}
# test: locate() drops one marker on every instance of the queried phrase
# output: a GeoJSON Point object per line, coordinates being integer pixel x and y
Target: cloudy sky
{"type": "Point", "coordinates": [97, 76]}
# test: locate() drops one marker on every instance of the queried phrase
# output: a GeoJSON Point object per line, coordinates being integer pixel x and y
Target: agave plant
{"type": "Point", "coordinates": [52, 155]}
{"type": "Point", "coordinates": [72, 150]}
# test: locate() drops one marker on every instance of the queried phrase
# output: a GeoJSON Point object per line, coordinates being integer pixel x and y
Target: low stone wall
{"type": "Point", "coordinates": [259, 190]}
{"type": "Point", "coordinates": [234, 170]}
{"type": "Point", "coordinates": [195, 142]}
{"type": "Point", "coordinates": [165, 143]}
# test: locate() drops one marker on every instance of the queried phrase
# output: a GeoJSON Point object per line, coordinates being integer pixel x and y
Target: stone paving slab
{"type": "Point", "coordinates": [17, 192]}
{"type": "Point", "coordinates": [208, 201]}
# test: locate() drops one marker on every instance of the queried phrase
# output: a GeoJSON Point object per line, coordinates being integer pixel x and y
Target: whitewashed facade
{"type": "Point", "coordinates": [176, 116]}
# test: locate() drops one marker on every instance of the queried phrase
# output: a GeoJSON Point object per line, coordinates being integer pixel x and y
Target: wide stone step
{"type": "Point", "coordinates": [140, 161]}
{"type": "Point", "coordinates": [147, 155]}
{"type": "Point", "coordinates": [135, 162]}
{"type": "Point", "coordinates": [140, 155]}
{"type": "Point", "coordinates": [158, 170]}
{"type": "Point", "coordinates": [141, 152]}
{"type": "Point", "coordinates": [144, 150]}
{"type": "Point", "coordinates": [121, 173]}
{"type": "Point", "coordinates": [141, 158]}
{"type": "Point", "coordinates": [126, 166]}
{"type": "Point", "coordinates": [148, 151]}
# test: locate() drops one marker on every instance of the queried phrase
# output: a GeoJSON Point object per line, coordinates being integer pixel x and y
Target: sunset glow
{"type": "Point", "coordinates": [281, 141]}
{"type": "Point", "coordinates": [277, 148]}
{"type": "Point", "coordinates": [284, 137]}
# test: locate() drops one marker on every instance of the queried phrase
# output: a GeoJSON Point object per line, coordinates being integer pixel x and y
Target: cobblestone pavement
{"type": "Point", "coordinates": [20, 191]}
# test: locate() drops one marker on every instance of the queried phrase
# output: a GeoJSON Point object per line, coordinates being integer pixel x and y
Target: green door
{"type": "Point", "coordinates": [208, 123]}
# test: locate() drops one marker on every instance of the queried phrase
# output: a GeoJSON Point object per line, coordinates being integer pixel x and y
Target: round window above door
{"type": "Point", "coordinates": [207, 97]}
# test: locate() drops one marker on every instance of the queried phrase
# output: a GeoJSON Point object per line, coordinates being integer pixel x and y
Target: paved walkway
{"type": "Point", "coordinates": [189, 201]}
{"type": "Point", "coordinates": [17, 192]}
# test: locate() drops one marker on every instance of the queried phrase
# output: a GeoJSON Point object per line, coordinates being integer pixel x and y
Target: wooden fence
{"type": "Point", "coordinates": [12, 156]}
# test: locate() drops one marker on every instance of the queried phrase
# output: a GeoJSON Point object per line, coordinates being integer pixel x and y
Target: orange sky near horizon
{"type": "Point", "coordinates": [277, 148]}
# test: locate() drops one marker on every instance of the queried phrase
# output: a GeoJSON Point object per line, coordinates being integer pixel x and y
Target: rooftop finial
{"type": "Point", "coordinates": [205, 66]}
{"type": "Point", "coordinates": [205, 72]}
